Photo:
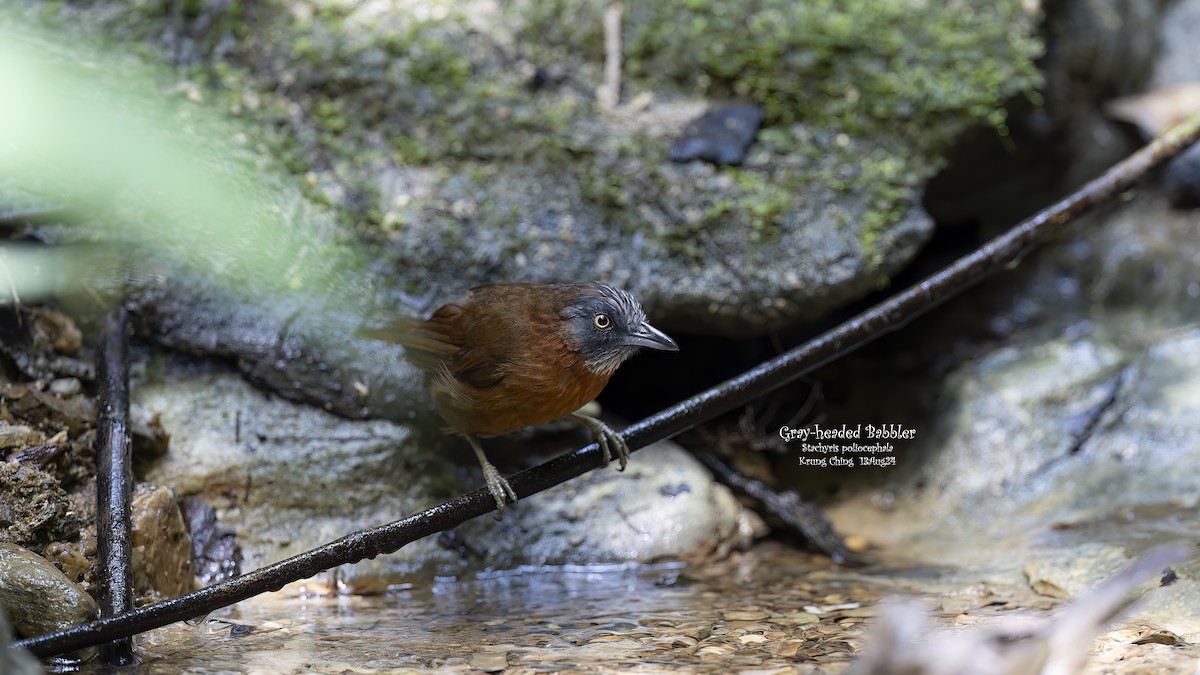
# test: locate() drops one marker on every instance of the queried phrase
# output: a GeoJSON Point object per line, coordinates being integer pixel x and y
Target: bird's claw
{"type": "Point", "coordinates": [496, 484]}
{"type": "Point", "coordinates": [608, 440]}
{"type": "Point", "coordinates": [499, 487]}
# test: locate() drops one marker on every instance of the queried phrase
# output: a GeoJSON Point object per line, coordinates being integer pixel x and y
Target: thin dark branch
{"type": "Point", "coordinates": [798, 515]}
{"type": "Point", "coordinates": [883, 318]}
{"type": "Point", "coordinates": [114, 481]}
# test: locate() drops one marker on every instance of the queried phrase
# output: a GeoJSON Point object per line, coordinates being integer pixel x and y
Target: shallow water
{"type": "Point", "coordinates": [771, 610]}
{"type": "Point", "coordinates": [762, 610]}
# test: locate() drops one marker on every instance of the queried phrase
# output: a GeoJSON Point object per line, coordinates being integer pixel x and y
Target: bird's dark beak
{"type": "Point", "coordinates": [646, 335]}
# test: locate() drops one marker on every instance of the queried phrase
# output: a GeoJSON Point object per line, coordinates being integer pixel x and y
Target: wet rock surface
{"type": "Point", "coordinates": [664, 506]}
{"type": "Point", "coordinates": [161, 546]}
{"type": "Point", "coordinates": [37, 596]}
{"type": "Point", "coordinates": [214, 546]}
{"type": "Point", "coordinates": [465, 176]}
{"type": "Point", "coordinates": [285, 477]}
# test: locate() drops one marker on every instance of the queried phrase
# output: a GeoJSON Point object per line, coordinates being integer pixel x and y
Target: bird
{"type": "Point", "coordinates": [506, 356]}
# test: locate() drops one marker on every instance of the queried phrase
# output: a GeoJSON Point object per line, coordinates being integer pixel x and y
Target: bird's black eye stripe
{"type": "Point", "coordinates": [602, 321]}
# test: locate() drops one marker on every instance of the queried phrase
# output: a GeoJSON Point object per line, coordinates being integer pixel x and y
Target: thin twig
{"type": "Point", "coordinates": [608, 94]}
{"type": "Point", "coordinates": [114, 480]}
{"type": "Point", "coordinates": [798, 515]}
{"type": "Point", "coordinates": [862, 329]}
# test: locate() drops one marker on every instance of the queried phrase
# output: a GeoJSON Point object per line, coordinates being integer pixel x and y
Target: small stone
{"type": "Point", "coordinates": [60, 329]}
{"type": "Point", "coordinates": [489, 662]}
{"type": "Point", "coordinates": [713, 650]}
{"type": "Point", "coordinates": [66, 386]}
{"type": "Point", "coordinates": [788, 648]}
{"type": "Point", "coordinates": [72, 558]}
{"type": "Point", "coordinates": [721, 135]}
{"type": "Point", "coordinates": [856, 543]}
{"type": "Point", "coordinates": [16, 435]}
{"type": "Point", "coordinates": [799, 619]}
{"type": "Point", "coordinates": [751, 614]}
{"type": "Point", "coordinates": [162, 547]}
{"type": "Point", "coordinates": [860, 612]}
{"type": "Point", "coordinates": [216, 555]}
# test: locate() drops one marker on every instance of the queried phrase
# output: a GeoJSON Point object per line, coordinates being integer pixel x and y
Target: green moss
{"type": "Point", "coordinates": [765, 201]}
{"type": "Point", "coordinates": [889, 183]}
{"type": "Point", "coordinates": [913, 69]}
{"type": "Point", "coordinates": [330, 115]}
{"type": "Point", "coordinates": [756, 204]}
{"type": "Point", "coordinates": [863, 66]}
{"type": "Point", "coordinates": [895, 79]}
{"type": "Point", "coordinates": [436, 65]}
{"type": "Point", "coordinates": [610, 171]}
{"type": "Point", "coordinates": [879, 87]}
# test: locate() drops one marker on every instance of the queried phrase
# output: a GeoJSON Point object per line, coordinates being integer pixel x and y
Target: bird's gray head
{"type": "Point", "coordinates": [607, 325]}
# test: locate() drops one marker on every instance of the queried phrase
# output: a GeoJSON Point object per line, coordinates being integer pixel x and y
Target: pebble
{"type": "Point", "coordinates": [721, 135]}
{"type": "Point", "coordinates": [788, 648]}
{"type": "Point", "coordinates": [489, 662]}
{"type": "Point", "coordinates": [856, 543]}
{"type": "Point", "coordinates": [162, 547]}
{"type": "Point", "coordinates": [67, 386]}
{"type": "Point", "coordinates": [745, 615]}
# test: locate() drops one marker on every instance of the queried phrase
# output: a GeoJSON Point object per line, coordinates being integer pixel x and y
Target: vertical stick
{"type": "Point", "coordinates": [608, 94]}
{"type": "Point", "coordinates": [114, 480]}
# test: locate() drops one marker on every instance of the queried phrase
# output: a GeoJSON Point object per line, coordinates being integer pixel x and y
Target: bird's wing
{"type": "Point", "coordinates": [478, 368]}
{"type": "Point", "coordinates": [438, 343]}
{"type": "Point", "coordinates": [427, 344]}
{"type": "Point", "coordinates": [478, 361]}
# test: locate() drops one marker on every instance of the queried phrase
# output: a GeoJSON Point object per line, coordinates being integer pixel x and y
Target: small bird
{"type": "Point", "coordinates": [508, 356]}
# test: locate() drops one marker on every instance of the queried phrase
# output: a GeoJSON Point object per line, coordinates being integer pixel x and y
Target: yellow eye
{"type": "Point", "coordinates": [602, 321]}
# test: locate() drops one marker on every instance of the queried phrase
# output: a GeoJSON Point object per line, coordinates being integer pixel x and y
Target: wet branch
{"type": "Point", "coordinates": [800, 516]}
{"type": "Point", "coordinates": [758, 381]}
{"type": "Point", "coordinates": [114, 482]}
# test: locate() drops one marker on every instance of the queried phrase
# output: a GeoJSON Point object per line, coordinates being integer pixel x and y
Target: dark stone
{"type": "Point", "coordinates": [721, 135]}
{"type": "Point", "coordinates": [1182, 179]}
{"type": "Point", "coordinates": [214, 546]}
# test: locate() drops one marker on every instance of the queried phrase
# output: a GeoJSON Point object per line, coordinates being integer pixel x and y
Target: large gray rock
{"type": "Point", "coordinates": [1076, 420]}
{"type": "Point", "coordinates": [1068, 438]}
{"type": "Point", "coordinates": [1052, 431]}
{"type": "Point", "coordinates": [450, 147]}
{"type": "Point", "coordinates": [466, 140]}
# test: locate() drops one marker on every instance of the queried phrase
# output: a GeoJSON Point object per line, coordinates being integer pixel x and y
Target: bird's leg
{"type": "Point", "coordinates": [606, 437]}
{"type": "Point", "coordinates": [496, 484]}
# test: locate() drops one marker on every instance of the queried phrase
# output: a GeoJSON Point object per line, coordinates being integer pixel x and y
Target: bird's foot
{"type": "Point", "coordinates": [608, 439]}
{"type": "Point", "coordinates": [499, 487]}
{"type": "Point", "coordinates": [496, 484]}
